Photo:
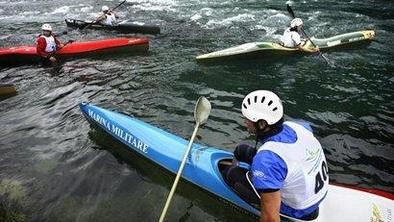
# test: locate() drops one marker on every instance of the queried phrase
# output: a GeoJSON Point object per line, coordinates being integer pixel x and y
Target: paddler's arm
{"type": "Point", "coordinates": [41, 45]}
{"type": "Point", "coordinates": [59, 45]}
{"type": "Point", "coordinates": [302, 47]}
{"type": "Point", "coordinates": [100, 18]}
{"type": "Point", "coordinates": [269, 172]}
{"type": "Point", "coordinates": [270, 206]}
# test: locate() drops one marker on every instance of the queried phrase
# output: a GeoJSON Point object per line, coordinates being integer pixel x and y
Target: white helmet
{"type": "Point", "coordinates": [46, 27]}
{"type": "Point", "coordinates": [296, 22]}
{"type": "Point", "coordinates": [104, 8]}
{"type": "Point", "coordinates": [262, 104]}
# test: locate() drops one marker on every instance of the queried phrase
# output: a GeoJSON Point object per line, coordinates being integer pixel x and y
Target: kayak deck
{"type": "Point", "coordinates": [203, 168]}
{"type": "Point", "coordinates": [28, 54]}
{"type": "Point", "coordinates": [271, 49]}
{"type": "Point", "coordinates": [124, 26]}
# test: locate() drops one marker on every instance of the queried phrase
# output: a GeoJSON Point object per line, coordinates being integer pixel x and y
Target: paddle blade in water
{"type": "Point", "coordinates": [202, 110]}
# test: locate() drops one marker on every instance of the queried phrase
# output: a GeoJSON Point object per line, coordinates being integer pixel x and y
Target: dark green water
{"type": "Point", "coordinates": [54, 167]}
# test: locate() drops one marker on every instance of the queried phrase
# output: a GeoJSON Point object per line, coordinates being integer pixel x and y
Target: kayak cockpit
{"type": "Point", "coordinates": [241, 185]}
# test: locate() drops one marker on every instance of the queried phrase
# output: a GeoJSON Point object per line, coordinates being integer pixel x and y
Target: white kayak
{"type": "Point", "coordinates": [270, 49]}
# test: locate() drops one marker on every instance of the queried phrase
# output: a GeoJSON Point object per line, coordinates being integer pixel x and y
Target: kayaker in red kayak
{"type": "Point", "coordinates": [288, 171]}
{"type": "Point", "coordinates": [108, 17]}
{"type": "Point", "coordinates": [291, 37]}
{"type": "Point", "coordinates": [47, 44]}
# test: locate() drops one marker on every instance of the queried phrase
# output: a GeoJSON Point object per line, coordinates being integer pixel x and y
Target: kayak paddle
{"type": "Point", "coordinates": [82, 27]}
{"type": "Point", "coordinates": [68, 42]}
{"type": "Point", "coordinates": [201, 113]}
{"type": "Point", "coordinates": [291, 12]}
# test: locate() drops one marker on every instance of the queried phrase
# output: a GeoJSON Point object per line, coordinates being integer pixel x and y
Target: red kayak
{"type": "Point", "coordinates": [28, 54]}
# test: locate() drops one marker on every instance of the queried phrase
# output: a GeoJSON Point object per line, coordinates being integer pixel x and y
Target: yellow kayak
{"type": "Point", "coordinates": [268, 49]}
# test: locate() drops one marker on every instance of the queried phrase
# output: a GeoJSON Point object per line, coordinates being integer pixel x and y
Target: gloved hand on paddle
{"type": "Point", "coordinates": [51, 57]}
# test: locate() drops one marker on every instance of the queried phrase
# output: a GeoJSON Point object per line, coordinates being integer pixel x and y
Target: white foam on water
{"type": "Point", "coordinates": [86, 9]}
{"type": "Point", "coordinates": [277, 20]}
{"type": "Point", "coordinates": [29, 13]}
{"type": "Point", "coordinates": [206, 11]}
{"type": "Point", "coordinates": [5, 36]}
{"type": "Point", "coordinates": [155, 5]}
{"type": "Point", "coordinates": [195, 17]}
{"type": "Point", "coordinates": [13, 3]}
{"type": "Point", "coordinates": [61, 10]}
{"type": "Point", "coordinates": [229, 21]}
{"type": "Point", "coordinates": [150, 7]}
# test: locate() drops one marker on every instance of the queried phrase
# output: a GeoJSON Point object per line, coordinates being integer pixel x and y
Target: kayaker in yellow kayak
{"type": "Point", "coordinates": [107, 17]}
{"type": "Point", "coordinates": [288, 171]}
{"type": "Point", "coordinates": [291, 37]}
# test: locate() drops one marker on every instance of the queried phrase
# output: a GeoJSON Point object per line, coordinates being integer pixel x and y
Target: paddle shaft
{"type": "Point", "coordinates": [118, 5]}
{"type": "Point", "coordinates": [314, 45]}
{"type": "Point", "coordinates": [100, 16]}
{"type": "Point", "coordinates": [53, 53]}
{"type": "Point", "coordinates": [178, 175]}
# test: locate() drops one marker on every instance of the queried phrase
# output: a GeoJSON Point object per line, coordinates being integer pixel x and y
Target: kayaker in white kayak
{"type": "Point", "coordinates": [291, 37]}
{"type": "Point", "coordinates": [47, 44]}
{"type": "Point", "coordinates": [107, 17]}
{"type": "Point", "coordinates": [288, 171]}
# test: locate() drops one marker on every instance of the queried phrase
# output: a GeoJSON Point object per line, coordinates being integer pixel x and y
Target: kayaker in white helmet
{"type": "Point", "coordinates": [291, 37]}
{"type": "Point", "coordinates": [288, 171]}
{"type": "Point", "coordinates": [107, 17]}
{"type": "Point", "coordinates": [47, 44]}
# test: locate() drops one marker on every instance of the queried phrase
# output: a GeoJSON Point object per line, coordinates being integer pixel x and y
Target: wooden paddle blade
{"type": "Point", "coordinates": [290, 10]}
{"type": "Point", "coordinates": [202, 110]}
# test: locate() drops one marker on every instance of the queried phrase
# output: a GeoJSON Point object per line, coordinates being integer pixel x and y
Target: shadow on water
{"type": "Point", "coordinates": [154, 173]}
{"type": "Point", "coordinates": [252, 59]}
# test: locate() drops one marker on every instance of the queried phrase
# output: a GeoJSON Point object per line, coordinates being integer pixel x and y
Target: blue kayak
{"type": "Point", "coordinates": [204, 165]}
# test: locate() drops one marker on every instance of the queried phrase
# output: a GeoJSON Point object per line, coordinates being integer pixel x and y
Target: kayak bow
{"type": "Point", "coordinates": [204, 165]}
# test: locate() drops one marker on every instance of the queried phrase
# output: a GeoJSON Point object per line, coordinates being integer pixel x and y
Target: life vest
{"type": "Point", "coordinates": [51, 44]}
{"type": "Point", "coordinates": [306, 182]}
{"type": "Point", "coordinates": [110, 19]}
{"type": "Point", "coordinates": [291, 38]}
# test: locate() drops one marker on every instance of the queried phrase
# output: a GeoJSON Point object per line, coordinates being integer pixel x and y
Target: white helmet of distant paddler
{"type": "Point", "coordinates": [262, 105]}
{"type": "Point", "coordinates": [46, 27]}
{"type": "Point", "coordinates": [296, 22]}
{"type": "Point", "coordinates": [104, 8]}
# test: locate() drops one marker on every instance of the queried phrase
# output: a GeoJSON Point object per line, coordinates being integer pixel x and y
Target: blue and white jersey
{"type": "Point", "coordinates": [293, 162]}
